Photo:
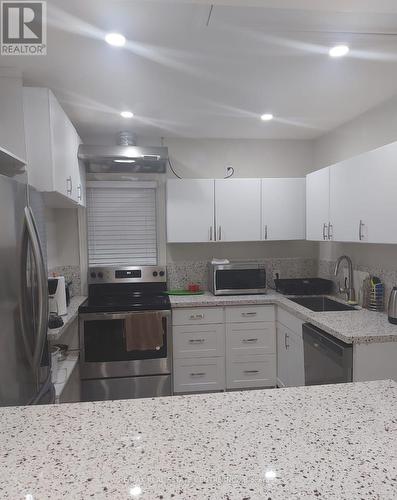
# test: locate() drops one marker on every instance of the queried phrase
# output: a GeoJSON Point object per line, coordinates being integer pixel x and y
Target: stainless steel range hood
{"type": "Point", "coordinates": [125, 157]}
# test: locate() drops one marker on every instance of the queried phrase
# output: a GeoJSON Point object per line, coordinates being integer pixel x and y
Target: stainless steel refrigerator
{"type": "Point", "coordinates": [25, 373]}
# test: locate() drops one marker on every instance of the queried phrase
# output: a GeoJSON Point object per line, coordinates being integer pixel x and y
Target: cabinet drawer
{"type": "Point", "coordinates": [200, 374]}
{"type": "Point", "coordinates": [246, 314]}
{"type": "Point", "coordinates": [251, 338]}
{"type": "Point", "coordinates": [197, 315]}
{"type": "Point", "coordinates": [290, 321]}
{"type": "Point", "coordinates": [192, 341]}
{"type": "Point", "coordinates": [252, 371]}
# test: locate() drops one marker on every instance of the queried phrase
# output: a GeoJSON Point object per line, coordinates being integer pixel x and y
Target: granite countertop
{"type": "Point", "coordinates": [65, 370]}
{"type": "Point", "coordinates": [332, 442]}
{"type": "Point", "coordinates": [73, 310]}
{"type": "Point", "coordinates": [361, 326]}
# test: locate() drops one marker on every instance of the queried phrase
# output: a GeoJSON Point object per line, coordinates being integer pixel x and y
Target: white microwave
{"type": "Point", "coordinates": [238, 278]}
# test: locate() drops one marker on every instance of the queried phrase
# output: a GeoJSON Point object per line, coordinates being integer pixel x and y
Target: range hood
{"type": "Point", "coordinates": [125, 157]}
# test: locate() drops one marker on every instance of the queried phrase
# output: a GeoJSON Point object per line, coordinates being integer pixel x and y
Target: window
{"type": "Point", "coordinates": [122, 226]}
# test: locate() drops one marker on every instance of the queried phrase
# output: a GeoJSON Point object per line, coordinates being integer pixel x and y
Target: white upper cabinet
{"type": "Point", "coordinates": [363, 197]}
{"type": "Point", "coordinates": [283, 209]}
{"type": "Point", "coordinates": [318, 225]}
{"type": "Point", "coordinates": [12, 134]}
{"type": "Point", "coordinates": [190, 210]}
{"type": "Point", "coordinates": [238, 209]}
{"type": "Point", "coordinates": [52, 145]}
{"type": "Point", "coordinates": [344, 199]}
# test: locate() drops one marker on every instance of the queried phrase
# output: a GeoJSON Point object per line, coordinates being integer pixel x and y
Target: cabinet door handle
{"type": "Point", "coordinates": [196, 341]}
{"type": "Point", "coordinates": [330, 231]}
{"type": "Point", "coordinates": [251, 371]}
{"type": "Point", "coordinates": [219, 233]}
{"type": "Point", "coordinates": [249, 314]}
{"type": "Point", "coordinates": [266, 232]}
{"type": "Point", "coordinates": [360, 232]}
{"type": "Point", "coordinates": [250, 340]}
{"type": "Point", "coordinates": [210, 233]}
{"type": "Point", "coordinates": [69, 186]}
{"type": "Point", "coordinates": [286, 336]}
{"type": "Point", "coordinates": [197, 316]}
{"type": "Point", "coordinates": [199, 374]}
{"type": "Point", "coordinates": [79, 197]}
{"type": "Point", "coordinates": [324, 231]}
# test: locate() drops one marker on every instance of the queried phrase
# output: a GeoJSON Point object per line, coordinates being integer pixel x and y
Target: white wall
{"type": "Point", "coordinates": [370, 130]}
{"type": "Point", "coordinates": [208, 158]}
{"type": "Point", "coordinates": [373, 129]}
{"type": "Point", "coordinates": [62, 237]}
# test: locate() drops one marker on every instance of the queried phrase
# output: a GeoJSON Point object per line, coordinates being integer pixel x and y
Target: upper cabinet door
{"type": "Point", "coordinates": [346, 178]}
{"type": "Point", "coordinates": [317, 205]}
{"type": "Point", "coordinates": [190, 210]}
{"type": "Point", "coordinates": [52, 146]}
{"type": "Point", "coordinates": [283, 209]}
{"type": "Point", "coordinates": [376, 196]}
{"type": "Point", "coordinates": [238, 209]}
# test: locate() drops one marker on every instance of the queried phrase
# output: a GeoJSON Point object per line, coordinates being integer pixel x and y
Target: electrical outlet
{"type": "Point", "coordinates": [275, 272]}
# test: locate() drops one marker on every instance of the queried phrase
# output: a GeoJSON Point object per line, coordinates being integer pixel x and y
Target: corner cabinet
{"type": "Point", "coordinates": [52, 146]}
{"type": "Point", "coordinates": [290, 357]}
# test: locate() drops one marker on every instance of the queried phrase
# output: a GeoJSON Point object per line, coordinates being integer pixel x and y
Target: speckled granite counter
{"type": "Point", "coordinates": [73, 310]}
{"type": "Point", "coordinates": [360, 326]}
{"type": "Point", "coordinates": [331, 442]}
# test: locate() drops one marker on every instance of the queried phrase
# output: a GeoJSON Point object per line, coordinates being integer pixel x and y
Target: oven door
{"type": "Point", "coordinates": [229, 280]}
{"type": "Point", "coordinates": [103, 352]}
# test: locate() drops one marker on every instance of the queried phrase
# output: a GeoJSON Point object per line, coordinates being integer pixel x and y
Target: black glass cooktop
{"type": "Point", "coordinates": [125, 297]}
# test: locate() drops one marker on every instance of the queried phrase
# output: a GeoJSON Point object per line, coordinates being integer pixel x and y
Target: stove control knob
{"type": "Point", "coordinates": [155, 274]}
{"type": "Point", "coordinates": [100, 275]}
{"type": "Point", "coordinates": [93, 275]}
{"type": "Point", "coordinates": [162, 273]}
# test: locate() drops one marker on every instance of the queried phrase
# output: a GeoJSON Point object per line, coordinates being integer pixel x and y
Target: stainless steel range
{"type": "Point", "coordinates": [125, 334]}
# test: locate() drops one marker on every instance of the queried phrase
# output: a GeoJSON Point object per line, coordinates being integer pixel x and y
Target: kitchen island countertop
{"type": "Point", "coordinates": [331, 442]}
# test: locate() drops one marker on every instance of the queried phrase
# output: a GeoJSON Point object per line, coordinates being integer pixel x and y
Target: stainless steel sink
{"type": "Point", "coordinates": [321, 304]}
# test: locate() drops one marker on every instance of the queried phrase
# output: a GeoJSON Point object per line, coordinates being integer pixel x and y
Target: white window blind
{"type": "Point", "coordinates": [121, 226]}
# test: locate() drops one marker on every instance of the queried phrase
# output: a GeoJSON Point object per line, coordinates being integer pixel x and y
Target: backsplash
{"type": "Point", "coordinates": [180, 274]}
{"type": "Point", "coordinates": [71, 273]}
{"type": "Point", "coordinates": [387, 276]}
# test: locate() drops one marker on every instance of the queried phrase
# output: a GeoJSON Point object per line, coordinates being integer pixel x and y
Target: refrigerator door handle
{"type": "Point", "coordinates": [24, 316]}
{"type": "Point", "coordinates": [42, 285]}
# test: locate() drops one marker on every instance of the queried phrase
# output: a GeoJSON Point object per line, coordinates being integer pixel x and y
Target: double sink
{"type": "Point", "coordinates": [321, 304]}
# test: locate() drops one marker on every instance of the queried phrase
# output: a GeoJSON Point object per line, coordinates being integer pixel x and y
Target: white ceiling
{"type": "Point", "coordinates": [183, 78]}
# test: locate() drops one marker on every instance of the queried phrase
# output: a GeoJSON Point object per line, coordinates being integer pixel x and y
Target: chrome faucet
{"type": "Point", "coordinates": [349, 286]}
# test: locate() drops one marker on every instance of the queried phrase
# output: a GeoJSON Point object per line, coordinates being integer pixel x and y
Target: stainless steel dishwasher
{"type": "Point", "coordinates": [327, 359]}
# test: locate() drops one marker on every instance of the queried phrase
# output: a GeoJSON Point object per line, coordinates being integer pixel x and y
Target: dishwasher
{"type": "Point", "coordinates": [327, 359]}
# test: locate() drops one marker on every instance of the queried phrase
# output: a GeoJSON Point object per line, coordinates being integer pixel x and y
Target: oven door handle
{"type": "Point", "coordinates": [119, 315]}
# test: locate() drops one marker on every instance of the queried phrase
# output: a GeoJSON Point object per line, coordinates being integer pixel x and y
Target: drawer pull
{"type": "Point", "coordinates": [251, 371]}
{"type": "Point", "coordinates": [197, 316]}
{"type": "Point", "coordinates": [249, 314]}
{"type": "Point", "coordinates": [250, 340]}
{"type": "Point", "coordinates": [200, 374]}
{"type": "Point", "coordinates": [196, 341]}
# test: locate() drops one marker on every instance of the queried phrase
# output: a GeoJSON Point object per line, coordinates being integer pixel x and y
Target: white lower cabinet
{"type": "Point", "coordinates": [290, 359]}
{"type": "Point", "coordinates": [224, 348]}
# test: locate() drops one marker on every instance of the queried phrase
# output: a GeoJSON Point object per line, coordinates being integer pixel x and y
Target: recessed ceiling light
{"type": "Point", "coordinates": [266, 117]}
{"type": "Point", "coordinates": [339, 51]}
{"type": "Point", "coordinates": [127, 114]}
{"type": "Point", "coordinates": [124, 161]}
{"type": "Point", "coordinates": [115, 39]}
